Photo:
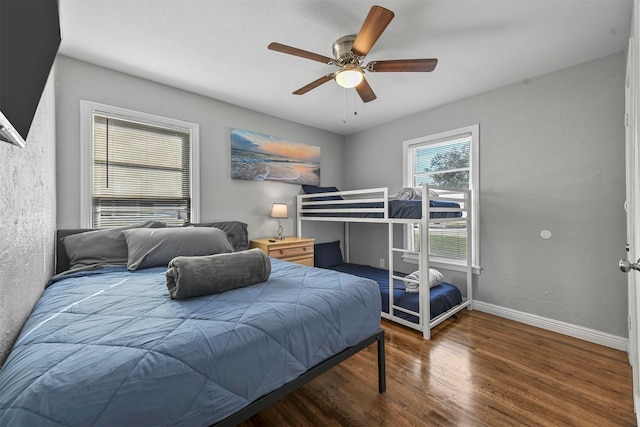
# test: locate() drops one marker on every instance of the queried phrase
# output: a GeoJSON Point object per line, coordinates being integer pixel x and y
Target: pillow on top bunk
{"type": "Point", "coordinates": [327, 255]}
{"type": "Point", "coordinates": [156, 247]}
{"type": "Point", "coordinates": [236, 231]}
{"type": "Point", "coordinates": [314, 189]}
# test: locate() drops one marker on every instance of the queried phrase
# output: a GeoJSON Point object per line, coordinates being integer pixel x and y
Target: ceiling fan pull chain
{"type": "Point", "coordinates": [344, 106]}
{"type": "Point", "coordinates": [355, 104]}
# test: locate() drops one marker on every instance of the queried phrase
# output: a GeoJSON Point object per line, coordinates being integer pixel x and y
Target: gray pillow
{"type": "Point", "coordinates": [236, 230]}
{"type": "Point", "coordinates": [105, 247]}
{"type": "Point", "coordinates": [156, 247]}
{"type": "Point", "coordinates": [202, 275]}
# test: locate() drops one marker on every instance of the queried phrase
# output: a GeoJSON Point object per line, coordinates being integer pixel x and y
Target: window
{"type": "Point", "coordinates": [137, 167]}
{"type": "Point", "coordinates": [448, 159]}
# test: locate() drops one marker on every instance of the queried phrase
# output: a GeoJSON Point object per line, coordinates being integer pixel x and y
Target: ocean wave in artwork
{"type": "Point", "coordinates": [253, 171]}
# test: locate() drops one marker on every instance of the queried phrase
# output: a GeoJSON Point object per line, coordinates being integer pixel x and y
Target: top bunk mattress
{"type": "Point", "coordinates": [406, 209]}
{"type": "Point", "coordinates": [109, 347]}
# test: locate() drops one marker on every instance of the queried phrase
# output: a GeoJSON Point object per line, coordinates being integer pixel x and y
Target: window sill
{"type": "Point", "coordinates": [446, 264]}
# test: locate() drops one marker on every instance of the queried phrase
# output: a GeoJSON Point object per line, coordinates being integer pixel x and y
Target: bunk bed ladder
{"type": "Point", "coordinates": [423, 301]}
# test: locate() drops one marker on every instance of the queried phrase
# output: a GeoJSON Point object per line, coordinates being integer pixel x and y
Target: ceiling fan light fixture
{"type": "Point", "coordinates": [349, 77]}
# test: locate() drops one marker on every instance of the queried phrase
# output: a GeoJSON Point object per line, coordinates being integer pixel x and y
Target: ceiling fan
{"type": "Point", "coordinates": [349, 53]}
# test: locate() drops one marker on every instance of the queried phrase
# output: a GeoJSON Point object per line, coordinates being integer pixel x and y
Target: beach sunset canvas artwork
{"type": "Point", "coordinates": [259, 157]}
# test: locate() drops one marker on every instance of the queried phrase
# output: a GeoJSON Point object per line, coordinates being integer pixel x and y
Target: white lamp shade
{"type": "Point", "coordinates": [349, 77]}
{"type": "Point", "coordinates": [279, 210]}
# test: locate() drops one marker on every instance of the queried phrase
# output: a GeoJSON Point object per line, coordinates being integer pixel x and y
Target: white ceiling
{"type": "Point", "coordinates": [218, 48]}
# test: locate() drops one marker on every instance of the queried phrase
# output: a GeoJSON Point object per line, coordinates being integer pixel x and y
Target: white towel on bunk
{"type": "Point", "coordinates": [410, 286]}
{"type": "Point", "coordinates": [435, 278]}
{"type": "Point", "coordinates": [410, 193]}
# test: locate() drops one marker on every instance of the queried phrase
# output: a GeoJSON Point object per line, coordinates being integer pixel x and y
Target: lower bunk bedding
{"type": "Point", "coordinates": [443, 297]}
{"type": "Point", "coordinates": [110, 347]}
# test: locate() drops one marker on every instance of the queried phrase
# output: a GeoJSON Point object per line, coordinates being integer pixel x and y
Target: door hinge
{"type": "Point", "coordinates": [629, 321]}
{"type": "Point", "coordinates": [626, 119]}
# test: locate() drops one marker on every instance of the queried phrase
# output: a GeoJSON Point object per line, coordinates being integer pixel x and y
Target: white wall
{"type": "Point", "coordinates": [551, 157]}
{"type": "Point", "coordinates": [27, 202]}
{"type": "Point", "coordinates": [221, 197]}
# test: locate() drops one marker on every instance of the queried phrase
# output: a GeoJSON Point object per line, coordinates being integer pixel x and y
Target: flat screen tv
{"type": "Point", "coordinates": [29, 40]}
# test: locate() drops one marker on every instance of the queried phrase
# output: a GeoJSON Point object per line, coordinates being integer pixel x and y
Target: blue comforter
{"type": "Point", "coordinates": [110, 348]}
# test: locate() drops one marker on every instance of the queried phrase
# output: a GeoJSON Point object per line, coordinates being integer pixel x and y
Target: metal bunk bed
{"type": "Point", "coordinates": [435, 213]}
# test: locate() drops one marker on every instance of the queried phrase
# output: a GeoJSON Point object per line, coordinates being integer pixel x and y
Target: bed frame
{"type": "Point", "coordinates": [312, 373]}
{"type": "Point", "coordinates": [376, 201]}
{"type": "Point", "coordinates": [62, 264]}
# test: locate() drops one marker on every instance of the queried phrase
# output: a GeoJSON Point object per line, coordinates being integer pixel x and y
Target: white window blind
{"type": "Point", "coordinates": [140, 172]}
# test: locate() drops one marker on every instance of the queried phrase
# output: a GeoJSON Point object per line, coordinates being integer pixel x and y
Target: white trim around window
{"type": "Point", "coordinates": [87, 111]}
{"type": "Point", "coordinates": [474, 184]}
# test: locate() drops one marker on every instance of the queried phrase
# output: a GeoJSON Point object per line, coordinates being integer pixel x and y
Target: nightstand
{"type": "Point", "coordinates": [294, 249]}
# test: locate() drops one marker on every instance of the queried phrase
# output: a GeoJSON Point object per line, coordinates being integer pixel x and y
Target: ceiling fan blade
{"type": "Point", "coordinates": [403, 65]}
{"type": "Point", "coordinates": [365, 91]}
{"type": "Point", "coordinates": [373, 26]}
{"type": "Point", "coordinates": [314, 84]}
{"type": "Point", "coordinates": [283, 48]}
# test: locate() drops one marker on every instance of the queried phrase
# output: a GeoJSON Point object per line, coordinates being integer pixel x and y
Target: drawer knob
{"type": "Point", "coordinates": [304, 249]}
{"type": "Point", "coordinates": [281, 252]}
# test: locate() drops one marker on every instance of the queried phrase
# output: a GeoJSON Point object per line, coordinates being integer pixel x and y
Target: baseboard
{"type": "Point", "coordinates": [586, 334]}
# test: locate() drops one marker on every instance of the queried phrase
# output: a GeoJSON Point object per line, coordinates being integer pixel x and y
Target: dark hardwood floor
{"type": "Point", "coordinates": [477, 370]}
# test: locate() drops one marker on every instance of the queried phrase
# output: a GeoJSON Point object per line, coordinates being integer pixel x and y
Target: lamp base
{"type": "Point", "coordinates": [280, 230]}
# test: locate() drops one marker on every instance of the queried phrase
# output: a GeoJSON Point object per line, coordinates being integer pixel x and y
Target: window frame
{"type": "Point", "coordinates": [87, 111]}
{"type": "Point", "coordinates": [474, 185]}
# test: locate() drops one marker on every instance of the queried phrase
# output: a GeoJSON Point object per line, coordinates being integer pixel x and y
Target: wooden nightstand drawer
{"type": "Point", "coordinates": [294, 249]}
{"type": "Point", "coordinates": [291, 252]}
{"type": "Point", "coordinates": [307, 260]}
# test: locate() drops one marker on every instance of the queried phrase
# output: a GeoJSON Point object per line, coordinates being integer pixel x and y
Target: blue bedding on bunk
{"type": "Point", "coordinates": [110, 347]}
{"type": "Point", "coordinates": [443, 297]}
{"type": "Point", "coordinates": [410, 209]}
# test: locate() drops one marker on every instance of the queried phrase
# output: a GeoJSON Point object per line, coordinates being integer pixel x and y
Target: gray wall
{"type": "Point", "coordinates": [27, 202]}
{"type": "Point", "coordinates": [221, 197]}
{"type": "Point", "coordinates": [551, 157]}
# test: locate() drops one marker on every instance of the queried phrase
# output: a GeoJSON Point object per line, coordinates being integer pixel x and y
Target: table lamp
{"type": "Point", "coordinates": [279, 211]}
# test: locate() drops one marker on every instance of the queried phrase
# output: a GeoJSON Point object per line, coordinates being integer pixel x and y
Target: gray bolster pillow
{"type": "Point", "coordinates": [202, 275]}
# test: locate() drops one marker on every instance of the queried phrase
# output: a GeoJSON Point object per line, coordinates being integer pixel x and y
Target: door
{"type": "Point", "coordinates": [632, 204]}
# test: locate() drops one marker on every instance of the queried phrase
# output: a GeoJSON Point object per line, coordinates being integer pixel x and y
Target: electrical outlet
{"type": "Point", "coordinates": [381, 262]}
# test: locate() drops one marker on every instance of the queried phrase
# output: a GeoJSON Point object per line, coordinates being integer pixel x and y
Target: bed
{"type": "Point", "coordinates": [407, 209]}
{"type": "Point", "coordinates": [108, 346]}
{"type": "Point", "coordinates": [431, 212]}
{"type": "Point", "coordinates": [329, 202]}
{"type": "Point", "coordinates": [443, 296]}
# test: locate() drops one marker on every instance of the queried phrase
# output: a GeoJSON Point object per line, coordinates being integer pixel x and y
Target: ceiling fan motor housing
{"type": "Point", "coordinates": [342, 50]}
